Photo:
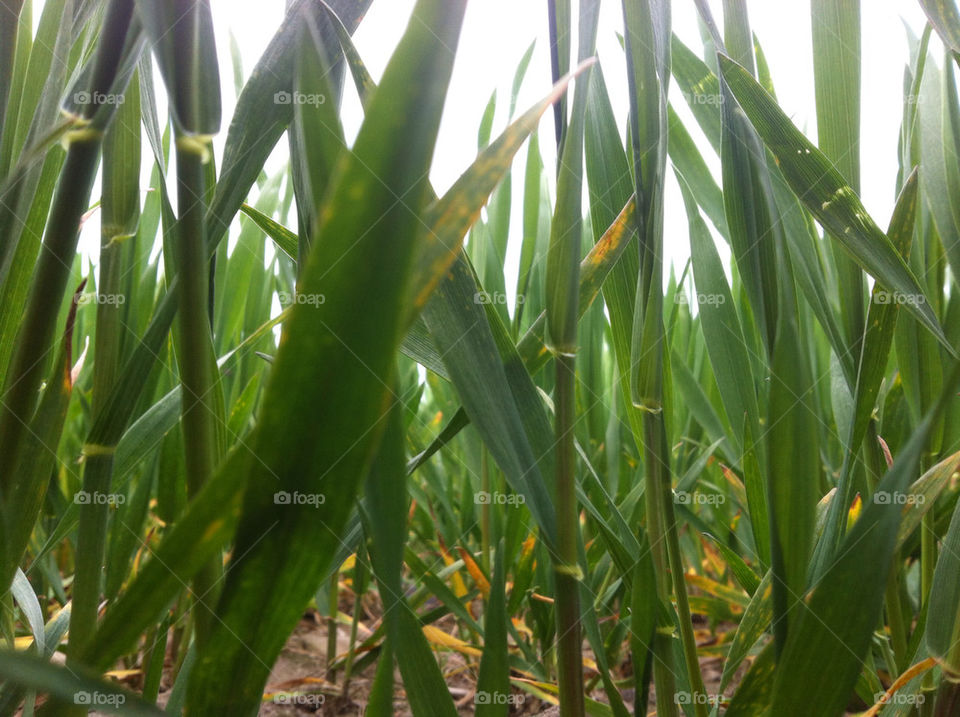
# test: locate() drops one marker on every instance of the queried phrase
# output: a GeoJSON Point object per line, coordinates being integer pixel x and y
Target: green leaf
{"type": "Point", "coordinates": [836, 71]}
{"type": "Point", "coordinates": [181, 34]}
{"type": "Point", "coordinates": [945, 17]}
{"type": "Point", "coordinates": [385, 521]}
{"type": "Point", "coordinates": [375, 238]}
{"type": "Point", "coordinates": [831, 634]}
{"type": "Point", "coordinates": [827, 196]}
{"type": "Point", "coordinates": [76, 686]}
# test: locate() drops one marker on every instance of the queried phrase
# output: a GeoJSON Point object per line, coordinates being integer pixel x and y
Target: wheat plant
{"type": "Point", "coordinates": [723, 488]}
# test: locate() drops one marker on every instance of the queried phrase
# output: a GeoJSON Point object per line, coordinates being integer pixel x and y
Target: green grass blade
{"type": "Point", "coordinates": [75, 686]}
{"type": "Point", "coordinates": [181, 35]}
{"type": "Point", "coordinates": [876, 344]}
{"type": "Point", "coordinates": [386, 498]}
{"type": "Point", "coordinates": [375, 238]}
{"type": "Point", "coordinates": [945, 17]}
{"type": "Point", "coordinates": [259, 120]}
{"type": "Point", "coordinates": [825, 194]}
{"type": "Point", "coordinates": [831, 634]}
{"type": "Point", "coordinates": [836, 71]}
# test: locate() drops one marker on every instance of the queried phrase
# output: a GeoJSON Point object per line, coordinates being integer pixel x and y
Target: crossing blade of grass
{"type": "Point", "coordinates": [76, 686]}
{"type": "Point", "coordinates": [754, 235]}
{"type": "Point", "coordinates": [562, 283]}
{"type": "Point", "coordinates": [830, 633]}
{"type": "Point", "coordinates": [647, 26]}
{"type": "Point", "coordinates": [460, 329]}
{"type": "Point", "coordinates": [354, 242]}
{"type": "Point", "coordinates": [827, 196]}
{"type": "Point", "coordinates": [182, 40]}
{"type": "Point", "coordinates": [285, 240]}
{"type": "Point", "coordinates": [943, 620]}
{"type": "Point", "coordinates": [44, 83]}
{"type": "Point", "coordinates": [610, 185]}
{"type": "Point", "coordinates": [753, 624]}
{"type": "Point", "coordinates": [10, 14]}
{"type": "Point", "coordinates": [19, 513]}
{"type": "Point", "coordinates": [688, 161]}
{"type": "Point", "coordinates": [945, 17]}
{"type": "Point", "coordinates": [723, 334]}
{"type": "Point", "coordinates": [729, 357]}
{"type": "Point", "coordinates": [181, 37]}
{"type": "Point", "coordinates": [60, 240]}
{"type": "Point", "coordinates": [836, 71]}
{"type": "Point", "coordinates": [876, 344]}
{"type": "Point", "coordinates": [452, 215]}
{"type": "Point", "coordinates": [120, 206]}
{"type": "Point", "coordinates": [249, 143]}
{"type": "Point", "coordinates": [386, 500]}
{"type": "Point", "coordinates": [792, 471]}
{"type": "Point", "coordinates": [494, 677]}
{"type": "Point", "coordinates": [560, 19]}
{"type": "Point", "coordinates": [647, 33]}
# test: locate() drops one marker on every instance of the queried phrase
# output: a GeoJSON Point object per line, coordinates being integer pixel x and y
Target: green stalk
{"type": "Point", "coordinates": [46, 293]}
{"type": "Point", "coordinates": [562, 304]}
{"type": "Point", "coordinates": [198, 410]}
{"type": "Point", "coordinates": [876, 467]}
{"type": "Point", "coordinates": [568, 574]}
{"type": "Point", "coordinates": [59, 247]}
{"type": "Point", "coordinates": [359, 588]}
{"type": "Point", "coordinates": [485, 511]}
{"type": "Point", "coordinates": [120, 212]}
{"type": "Point", "coordinates": [9, 17]}
{"type": "Point", "coordinates": [333, 595]}
{"type": "Point", "coordinates": [928, 565]}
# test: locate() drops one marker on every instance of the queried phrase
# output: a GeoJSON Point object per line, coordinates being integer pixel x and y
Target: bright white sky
{"type": "Point", "coordinates": [497, 33]}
